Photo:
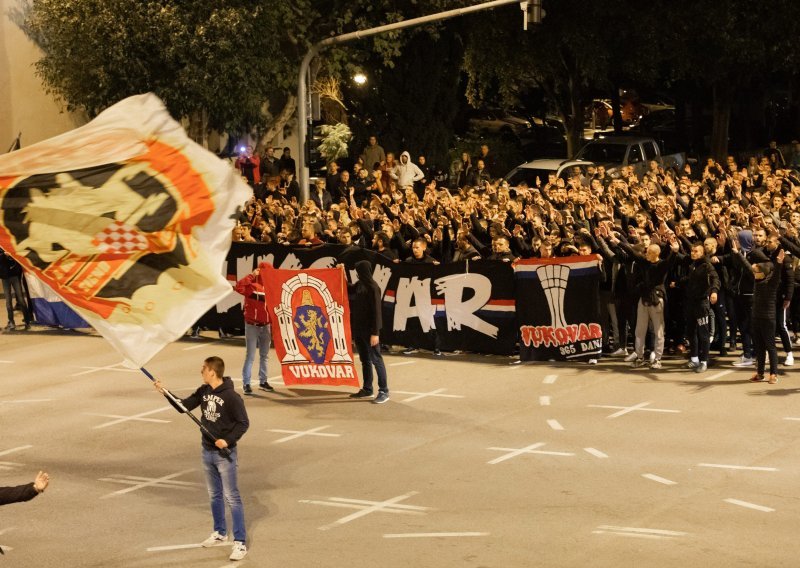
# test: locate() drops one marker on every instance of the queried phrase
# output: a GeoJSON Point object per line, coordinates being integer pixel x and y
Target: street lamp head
{"type": "Point", "coordinates": [360, 78]}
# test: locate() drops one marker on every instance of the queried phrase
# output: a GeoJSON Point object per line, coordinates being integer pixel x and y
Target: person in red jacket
{"type": "Point", "coordinates": [256, 330]}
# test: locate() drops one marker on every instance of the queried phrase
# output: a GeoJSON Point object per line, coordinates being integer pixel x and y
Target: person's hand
{"type": "Point", "coordinates": [41, 481]}
{"type": "Point", "coordinates": [159, 387]}
{"type": "Point", "coordinates": [713, 297]}
{"type": "Point", "coordinates": [781, 256]}
{"type": "Point", "coordinates": [373, 340]}
{"type": "Point", "coordinates": [221, 443]}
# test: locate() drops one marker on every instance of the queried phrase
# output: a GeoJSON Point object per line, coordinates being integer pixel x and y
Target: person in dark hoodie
{"type": "Point", "coordinates": [365, 324]}
{"type": "Point", "coordinates": [11, 275]}
{"type": "Point", "coordinates": [762, 327]}
{"type": "Point", "coordinates": [225, 417]}
{"type": "Point", "coordinates": [701, 285]}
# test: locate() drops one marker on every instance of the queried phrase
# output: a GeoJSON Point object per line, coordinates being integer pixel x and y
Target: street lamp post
{"type": "Point", "coordinates": [303, 101]}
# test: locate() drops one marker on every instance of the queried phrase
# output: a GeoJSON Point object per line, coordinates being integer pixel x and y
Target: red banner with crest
{"type": "Point", "coordinates": [310, 318]}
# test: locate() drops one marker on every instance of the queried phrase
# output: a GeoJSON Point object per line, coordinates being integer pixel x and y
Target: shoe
{"type": "Point", "coordinates": [381, 398]}
{"type": "Point", "coordinates": [652, 356]}
{"type": "Point", "coordinates": [631, 357]}
{"type": "Point", "coordinates": [773, 379]}
{"type": "Point", "coordinates": [744, 362]}
{"type": "Point", "coordinates": [266, 387]}
{"type": "Point", "coordinates": [723, 352]}
{"type": "Point", "coordinates": [361, 394]}
{"type": "Point", "coordinates": [247, 389]}
{"type": "Point", "coordinates": [410, 351]}
{"type": "Point", "coordinates": [437, 352]}
{"type": "Point", "coordinates": [593, 361]}
{"type": "Point", "coordinates": [655, 364]}
{"type": "Point", "coordinates": [701, 368]}
{"type": "Point", "coordinates": [239, 550]}
{"type": "Point", "coordinates": [621, 352]}
{"type": "Point", "coordinates": [756, 378]}
{"type": "Point", "coordinates": [10, 327]}
{"type": "Point", "coordinates": [27, 327]}
{"type": "Point", "coordinates": [638, 363]}
{"type": "Point", "coordinates": [692, 365]}
{"type": "Point", "coordinates": [214, 540]}
{"type": "Point", "coordinates": [789, 359]}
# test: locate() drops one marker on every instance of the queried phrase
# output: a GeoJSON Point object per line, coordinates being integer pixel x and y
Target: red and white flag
{"type": "Point", "coordinates": [125, 218]}
{"type": "Point", "coordinates": [310, 318]}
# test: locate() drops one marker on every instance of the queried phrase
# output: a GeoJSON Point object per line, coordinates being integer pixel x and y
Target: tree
{"type": "Point", "coordinates": [229, 64]}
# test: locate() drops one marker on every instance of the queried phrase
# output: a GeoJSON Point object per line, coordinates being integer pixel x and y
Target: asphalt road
{"type": "Point", "coordinates": [474, 462]}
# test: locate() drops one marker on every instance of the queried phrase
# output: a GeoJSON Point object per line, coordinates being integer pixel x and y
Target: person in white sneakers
{"type": "Point", "coordinates": [223, 414]}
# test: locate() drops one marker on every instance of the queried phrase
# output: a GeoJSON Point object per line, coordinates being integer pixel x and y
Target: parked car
{"type": "Point", "coordinates": [615, 152]}
{"type": "Point", "coordinates": [529, 172]}
{"type": "Point", "coordinates": [498, 121]}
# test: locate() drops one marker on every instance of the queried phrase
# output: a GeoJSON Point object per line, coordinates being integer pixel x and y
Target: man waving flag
{"type": "Point", "coordinates": [127, 220]}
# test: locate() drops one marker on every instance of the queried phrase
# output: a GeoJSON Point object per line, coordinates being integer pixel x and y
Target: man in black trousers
{"type": "Point", "coordinates": [365, 323]}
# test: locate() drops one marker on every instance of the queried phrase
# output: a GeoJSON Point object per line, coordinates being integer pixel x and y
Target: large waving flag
{"type": "Point", "coordinates": [125, 218]}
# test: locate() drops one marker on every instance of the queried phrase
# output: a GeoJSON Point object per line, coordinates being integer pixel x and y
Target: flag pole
{"type": "Point", "coordinates": [176, 402]}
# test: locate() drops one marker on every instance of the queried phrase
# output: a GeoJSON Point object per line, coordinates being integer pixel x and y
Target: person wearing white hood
{"type": "Point", "coordinates": [406, 172]}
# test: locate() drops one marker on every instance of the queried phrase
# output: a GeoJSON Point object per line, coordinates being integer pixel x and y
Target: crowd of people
{"type": "Point", "coordinates": [684, 254]}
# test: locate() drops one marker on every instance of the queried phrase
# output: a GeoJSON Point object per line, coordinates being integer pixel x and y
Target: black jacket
{"type": "Point", "coordinates": [9, 268]}
{"type": "Point", "coordinates": [700, 281]}
{"type": "Point", "coordinates": [222, 412]}
{"type": "Point", "coordinates": [365, 305]}
{"type": "Point", "coordinates": [17, 494]}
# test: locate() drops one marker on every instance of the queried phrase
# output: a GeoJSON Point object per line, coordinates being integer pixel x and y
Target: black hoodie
{"type": "Point", "coordinates": [365, 308]}
{"type": "Point", "coordinates": [222, 412]}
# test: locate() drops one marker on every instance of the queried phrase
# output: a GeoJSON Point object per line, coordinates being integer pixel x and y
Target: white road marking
{"type": "Point", "coordinates": [300, 433]}
{"type": "Point", "coordinates": [514, 452]}
{"type": "Point", "coordinates": [6, 466]}
{"type": "Point", "coordinates": [434, 535]}
{"type": "Point", "coordinates": [4, 361]}
{"type": "Point", "coordinates": [748, 505]}
{"type": "Point", "coordinates": [25, 401]}
{"type": "Point", "coordinates": [658, 479]}
{"type": "Point", "coordinates": [544, 400]}
{"type": "Point", "coordinates": [200, 346]}
{"type": "Point", "coordinates": [118, 367]}
{"type": "Point", "coordinates": [745, 467]}
{"type": "Point", "coordinates": [716, 376]}
{"type": "Point", "coordinates": [136, 417]}
{"type": "Point", "coordinates": [17, 449]}
{"type": "Point", "coordinates": [626, 409]}
{"type": "Point", "coordinates": [550, 379]}
{"type": "Point", "coordinates": [555, 424]}
{"type": "Point", "coordinates": [166, 481]}
{"type": "Point", "coordinates": [595, 453]}
{"type": "Point", "coordinates": [638, 532]}
{"type": "Point", "coordinates": [400, 363]}
{"type": "Point", "coordinates": [185, 546]}
{"type": "Point", "coordinates": [419, 395]}
{"type": "Point", "coordinates": [791, 418]}
{"type": "Point", "coordinates": [367, 507]}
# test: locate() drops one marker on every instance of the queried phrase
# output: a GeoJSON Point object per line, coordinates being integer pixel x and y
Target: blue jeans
{"type": "Point", "coordinates": [221, 483]}
{"type": "Point", "coordinates": [256, 337]}
{"type": "Point", "coordinates": [371, 356]}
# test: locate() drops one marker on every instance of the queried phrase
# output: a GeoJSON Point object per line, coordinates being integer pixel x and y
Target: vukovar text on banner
{"type": "Point", "coordinates": [558, 308]}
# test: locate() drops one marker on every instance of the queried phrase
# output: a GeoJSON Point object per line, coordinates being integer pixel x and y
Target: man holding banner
{"type": "Point", "coordinates": [365, 323]}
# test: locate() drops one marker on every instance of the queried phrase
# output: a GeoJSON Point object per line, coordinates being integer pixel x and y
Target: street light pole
{"type": "Point", "coordinates": [303, 101]}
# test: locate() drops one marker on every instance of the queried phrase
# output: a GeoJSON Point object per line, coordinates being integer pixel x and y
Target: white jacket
{"type": "Point", "coordinates": [406, 174]}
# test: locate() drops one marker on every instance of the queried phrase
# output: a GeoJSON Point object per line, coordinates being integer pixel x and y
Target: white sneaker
{"type": "Point", "coordinates": [789, 359]}
{"type": "Point", "coordinates": [214, 540]}
{"type": "Point", "coordinates": [652, 357]}
{"type": "Point", "coordinates": [239, 550]}
{"type": "Point", "coordinates": [621, 352]}
{"type": "Point", "coordinates": [631, 357]}
{"type": "Point", "coordinates": [743, 362]}
{"type": "Point", "coordinates": [593, 361]}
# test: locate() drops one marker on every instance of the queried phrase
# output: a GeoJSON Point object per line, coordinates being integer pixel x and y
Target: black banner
{"type": "Point", "coordinates": [558, 308]}
{"type": "Point", "coordinates": [455, 306]}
